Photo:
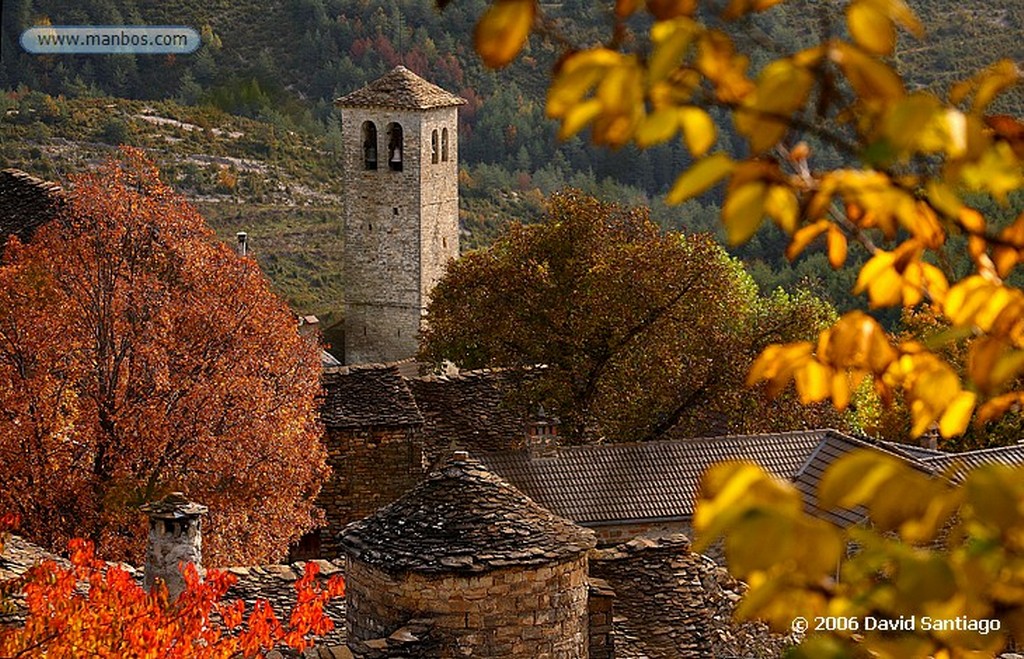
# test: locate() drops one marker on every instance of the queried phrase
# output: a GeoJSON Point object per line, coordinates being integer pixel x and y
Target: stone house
{"type": "Point", "coordinates": [27, 203]}
{"type": "Point", "coordinates": [372, 431]}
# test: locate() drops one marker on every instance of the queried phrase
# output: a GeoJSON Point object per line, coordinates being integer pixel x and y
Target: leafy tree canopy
{"type": "Point", "coordinates": [139, 355]}
{"type": "Point", "coordinates": [639, 331]}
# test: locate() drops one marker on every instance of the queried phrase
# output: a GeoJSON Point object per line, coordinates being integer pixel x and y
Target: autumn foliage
{"type": "Point", "coordinates": [139, 355]}
{"type": "Point", "coordinates": [639, 331]}
{"type": "Point", "coordinates": [90, 608]}
{"type": "Point", "coordinates": [834, 148]}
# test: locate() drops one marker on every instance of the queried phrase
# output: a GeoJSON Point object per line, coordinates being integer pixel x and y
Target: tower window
{"type": "Point", "coordinates": [395, 146]}
{"type": "Point", "coordinates": [433, 147]}
{"type": "Point", "coordinates": [369, 145]}
{"type": "Point", "coordinates": [444, 145]}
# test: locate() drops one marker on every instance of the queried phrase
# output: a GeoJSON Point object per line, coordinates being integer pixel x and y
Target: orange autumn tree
{"type": "Point", "coordinates": [139, 355]}
{"type": "Point", "coordinates": [832, 145]}
{"type": "Point", "coordinates": [90, 608]}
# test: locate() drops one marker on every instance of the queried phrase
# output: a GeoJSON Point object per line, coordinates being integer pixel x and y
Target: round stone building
{"type": "Point", "coordinates": [473, 566]}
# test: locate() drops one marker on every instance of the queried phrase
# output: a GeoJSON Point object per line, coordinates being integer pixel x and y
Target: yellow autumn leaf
{"type": "Point", "coordinates": [870, 27]}
{"type": "Point", "coordinates": [671, 41]}
{"type": "Point", "coordinates": [987, 84]}
{"type": "Point", "coordinates": [856, 478]}
{"type": "Point", "coordinates": [698, 130]}
{"type": "Point", "coordinates": [700, 177]}
{"type": "Point", "coordinates": [777, 363]}
{"type": "Point", "coordinates": [743, 211]}
{"type": "Point", "coordinates": [881, 281]}
{"type": "Point", "coordinates": [502, 31]}
{"type": "Point", "coordinates": [657, 127]}
{"type": "Point", "coordinates": [804, 236]}
{"type": "Point", "coordinates": [578, 74]}
{"type": "Point", "coordinates": [836, 243]}
{"type": "Point", "coordinates": [957, 416]}
{"type": "Point", "coordinates": [782, 88]}
{"type": "Point", "coordinates": [578, 116]}
{"type": "Point", "coordinates": [871, 78]}
{"type": "Point", "coordinates": [783, 207]}
{"type": "Point", "coordinates": [813, 382]}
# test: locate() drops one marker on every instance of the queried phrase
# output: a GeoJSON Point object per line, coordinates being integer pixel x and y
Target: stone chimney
{"type": "Point", "coordinates": [309, 326]}
{"type": "Point", "coordinates": [175, 538]}
{"type": "Point", "coordinates": [543, 435]}
{"type": "Point", "coordinates": [243, 243]}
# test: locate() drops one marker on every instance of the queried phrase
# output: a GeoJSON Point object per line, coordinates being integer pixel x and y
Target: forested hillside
{"type": "Point", "coordinates": [280, 63]}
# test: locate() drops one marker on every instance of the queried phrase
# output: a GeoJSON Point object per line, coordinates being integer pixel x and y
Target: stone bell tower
{"type": "Point", "coordinates": [400, 136]}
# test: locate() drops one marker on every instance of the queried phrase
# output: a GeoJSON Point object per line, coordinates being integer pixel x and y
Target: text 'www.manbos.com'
{"type": "Point", "coordinates": [110, 39]}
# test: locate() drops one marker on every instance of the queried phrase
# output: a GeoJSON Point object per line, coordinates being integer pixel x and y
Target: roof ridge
{"type": "Point", "coordinates": [400, 88]}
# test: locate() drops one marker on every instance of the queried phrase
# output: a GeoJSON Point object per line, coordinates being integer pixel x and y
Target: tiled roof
{"type": "Point", "coordinates": [833, 446]}
{"type": "Point", "coordinates": [366, 397]}
{"type": "Point", "coordinates": [918, 452]}
{"type": "Point", "coordinates": [956, 465]}
{"type": "Point", "coordinates": [400, 88]}
{"type": "Point", "coordinates": [613, 483]}
{"type": "Point", "coordinates": [26, 202]}
{"type": "Point", "coordinates": [463, 518]}
{"type": "Point", "coordinates": [469, 411]}
{"type": "Point", "coordinates": [18, 557]}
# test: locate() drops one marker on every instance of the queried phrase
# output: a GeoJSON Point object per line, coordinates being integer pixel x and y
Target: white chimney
{"type": "Point", "coordinates": [243, 243]}
{"type": "Point", "coordinates": [175, 537]}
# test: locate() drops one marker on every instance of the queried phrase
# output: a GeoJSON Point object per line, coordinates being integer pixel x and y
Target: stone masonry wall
{"type": "Point", "coordinates": [439, 199]}
{"type": "Point", "coordinates": [382, 240]}
{"type": "Point", "coordinates": [613, 534]}
{"type": "Point", "coordinates": [401, 228]}
{"type": "Point", "coordinates": [512, 613]}
{"type": "Point", "coordinates": [671, 602]}
{"type": "Point", "coordinates": [369, 469]}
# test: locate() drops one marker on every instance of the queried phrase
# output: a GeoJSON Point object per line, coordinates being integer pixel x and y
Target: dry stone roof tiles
{"type": "Point", "coordinates": [471, 411]}
{"type": "Point", "coordinates": [276, 585]}
{"type": "Point", "coordinates": [671, 602]}
{"type": "Point", "coordinates": [402, 89]}
{"type": "Point", "coordinates": [26, 203]}
{"type": "Point", "coordinates": [463, 519]}
{"type": "Point", "coordinates": [367, 396]}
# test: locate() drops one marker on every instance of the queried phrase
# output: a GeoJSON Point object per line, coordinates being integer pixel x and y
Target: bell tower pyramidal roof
{"type": "Point", "coordinates": [402, 89]}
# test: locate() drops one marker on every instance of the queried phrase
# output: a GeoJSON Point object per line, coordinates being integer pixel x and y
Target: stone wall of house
{"type": "Point", "coordinates": [614, 534]}
{"type": "Point", "coordinates": [601, 614]}
{"type": "Point", "coordinates": [401, 227]}
{"type": "Point", "coordinates": [369, 469]}
{"type": "Point", "coordinates": [517, 612]}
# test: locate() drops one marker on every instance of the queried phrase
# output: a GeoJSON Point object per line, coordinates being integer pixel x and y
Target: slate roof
{"type": "Point", "coordinates": [614, 483]}
{"type": "Point", "coordinates": [468, 411]}
{"type": "Point", "coordinates": [276, 585]}
{"type": "Point", "coordinates": [956, 465]}
{"type": "Point", "coordinates": [399, 88]}
{"type": "Point", "coordinates": [26, 203]}
{"type": "Point", "coordinates": [672, 603]}
{"type": "Point", "coordinates": [463, 519]}
{"type": "Point", "coordinates": [367, 396]}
